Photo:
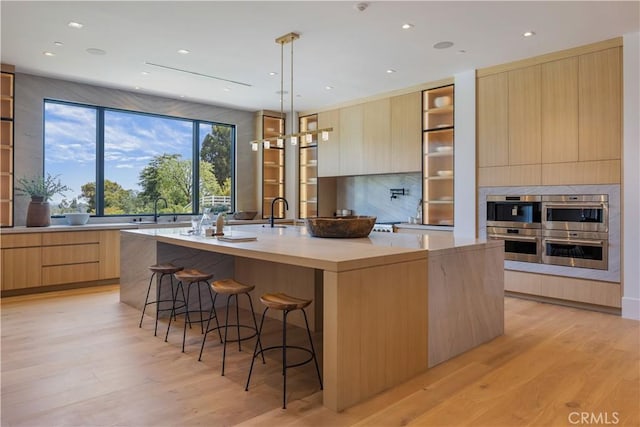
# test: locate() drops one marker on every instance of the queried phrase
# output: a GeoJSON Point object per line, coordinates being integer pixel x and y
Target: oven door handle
{"type": "Point", "coordinates": [512, 237]}
{"type": "Point", "coordinates": [579, 242]}
{"type": "Point", "coordinates": [573, 205]}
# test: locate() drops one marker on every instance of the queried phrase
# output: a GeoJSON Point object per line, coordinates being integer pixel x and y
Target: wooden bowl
{"type": "Point", "coordinates": [341, 227]}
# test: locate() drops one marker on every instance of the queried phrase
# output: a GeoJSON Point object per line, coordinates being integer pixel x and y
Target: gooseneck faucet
{"type": "Point", "coordinates": [273, 202]}
{"type": "Point", "coordinates": [155, 207]}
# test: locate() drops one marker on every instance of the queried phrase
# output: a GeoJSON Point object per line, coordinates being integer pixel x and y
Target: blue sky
{"type": "Point", "coordinates": [131, 141]}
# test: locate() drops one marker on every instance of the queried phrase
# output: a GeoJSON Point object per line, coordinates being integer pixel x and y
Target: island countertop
{"type": "Point", "coordinates": [293, 245]}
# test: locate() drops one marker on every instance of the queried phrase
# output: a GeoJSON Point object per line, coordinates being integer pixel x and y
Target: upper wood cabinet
{"type": "Point", "coordinates": [524, 116]}
{"type": "Point", "coordinates": [405, 132]}
{"type": "Point", "coordinates": [377, 136]}
{"type": "Point", "coordinates": [600, 105]}
{"type": "Point", "coordinates": [559, 98]}
{"type": "Point", "coordinates": [351, 140]}
{"type": "Point", "coordinates": [493, 120]}
{"type": "Point", "coordinates": [329, 151]}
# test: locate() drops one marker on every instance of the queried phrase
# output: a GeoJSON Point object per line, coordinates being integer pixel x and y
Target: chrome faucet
{"type": "Point", "coordinates": [155, 207]}
{"type": "Point", "coordinates": [273, 202]}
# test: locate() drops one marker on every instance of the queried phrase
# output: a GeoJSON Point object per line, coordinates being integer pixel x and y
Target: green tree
{"type": "Point", "coordinates": [88, 191]}
{"type": "Point", "coordinates": [216, 150]}
{"type": "Point", "coordinates": [149, 179]}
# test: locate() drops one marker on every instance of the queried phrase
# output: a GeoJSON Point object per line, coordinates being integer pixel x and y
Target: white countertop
{"type": "Point", "coordinates": [293, 245]}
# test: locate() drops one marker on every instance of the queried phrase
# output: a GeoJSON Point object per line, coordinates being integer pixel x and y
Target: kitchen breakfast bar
{"type": "Point", "coordinates": [389, 305]}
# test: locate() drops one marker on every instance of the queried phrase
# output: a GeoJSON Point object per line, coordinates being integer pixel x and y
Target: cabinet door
{"type": "Point", "coordinates": [109, 254]}
{"type": "Point", "coordinates": [600, 105]}
{"type": "Point", "coordinates": [559, 100]}
{"type": "Point", "coordinates": [376, 136]}
{"type": "Point", "coordinates": [329, 151]}
{"type": "Point", "coordinates": [351, 142]}
{"type": "Point", "coordinates": [493, 120]}
{"type": "Point", "coordinates": [21, 268]}
{"type": "Point", "coordinates": [525, 146]}
{"type": "Point", "coordinates": [405, 132]}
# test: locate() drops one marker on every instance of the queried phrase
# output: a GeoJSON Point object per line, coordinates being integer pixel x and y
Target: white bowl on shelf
{"type": "Point", "coordinates": [444, 149]}
{"type": "Point", "coordinates": [444, 125]}
{"type": "Point", "coordinates": [442, 101]}
{"type": "Point", "coordinates": [445, 173]}
{"type": "Point", "coordinates": [446, 198]}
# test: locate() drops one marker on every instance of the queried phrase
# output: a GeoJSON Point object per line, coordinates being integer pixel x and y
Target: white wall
{"type": "Point", "coordinates": [631, 177]}
{"type": "Point", "coordinates": [464, 214]}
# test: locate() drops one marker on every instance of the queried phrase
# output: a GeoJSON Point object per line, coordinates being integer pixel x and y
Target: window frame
{"type": "Point", "coordinates": [100, 152]}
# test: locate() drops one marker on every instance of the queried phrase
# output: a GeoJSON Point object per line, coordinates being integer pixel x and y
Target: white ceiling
{"type": "Point", "coordinates": [339, 46]}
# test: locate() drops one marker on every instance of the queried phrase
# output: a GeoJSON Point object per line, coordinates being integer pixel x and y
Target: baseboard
{"type": "Point", "coordinates": [566, 303]}
{"type": "Point", "coordinates": [631, 308]}
{"type": "Point", "coordinates": [54, 288]}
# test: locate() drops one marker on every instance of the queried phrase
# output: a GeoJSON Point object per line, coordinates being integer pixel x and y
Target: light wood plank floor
{"type": "Point", "coordinates": [78, 358]}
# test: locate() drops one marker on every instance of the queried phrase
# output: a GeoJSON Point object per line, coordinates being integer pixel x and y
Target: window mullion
{"type": "Point", "coordinates": [100, 163]}
{"type": "Point", "coordinates": [195, 172]}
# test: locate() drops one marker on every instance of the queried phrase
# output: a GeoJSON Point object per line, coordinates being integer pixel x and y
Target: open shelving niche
{"type": "Point", "coordinates": [273, 172]}
{"type": "Point", "coordinates": [438, 152]}
{"type": "Point", "coordinates": [6, 146]}
{"type": "Point", "coordinates": [308, 176]}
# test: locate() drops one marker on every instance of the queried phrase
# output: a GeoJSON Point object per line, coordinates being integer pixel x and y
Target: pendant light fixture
{"type": "Point", "coordinates": [292, 137]}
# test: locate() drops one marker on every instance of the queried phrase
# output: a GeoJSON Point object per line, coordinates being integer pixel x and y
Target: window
{"type": "Point", "coordinates": [135, 158]}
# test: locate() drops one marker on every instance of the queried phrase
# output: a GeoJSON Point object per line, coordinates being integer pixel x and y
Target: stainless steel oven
{"type": "Point", "coordinates": [576, 249]}
{"type": "Point", "coordinates": [576, 213]}
{"type": "Point", "coordinates": [520, 244]}
{"type": "Point", "coordinates": [514, 211]}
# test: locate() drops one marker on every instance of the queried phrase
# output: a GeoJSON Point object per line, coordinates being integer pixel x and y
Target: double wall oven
{"type": "Point", "coordinates": [567, 230]}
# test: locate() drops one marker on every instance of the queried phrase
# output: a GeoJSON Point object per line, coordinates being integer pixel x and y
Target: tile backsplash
{"type": "Point", "coordinates": [371, 195]}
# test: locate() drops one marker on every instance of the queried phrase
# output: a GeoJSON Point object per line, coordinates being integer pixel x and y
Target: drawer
{"type": "Point", "coordinates": [20, 240]}
{"type": "Point", "coordinates": [70, 254]}
{"type": "Point", "coordinates": [71, 273]}
{"type": "Point", "coordinates": [70, 238]}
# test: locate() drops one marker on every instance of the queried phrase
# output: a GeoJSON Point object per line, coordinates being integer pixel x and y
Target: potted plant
{"type": "Point", "coordinates": [41, 190]}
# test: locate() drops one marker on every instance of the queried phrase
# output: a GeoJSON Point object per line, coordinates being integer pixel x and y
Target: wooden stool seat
{"type": "Point", "coordinates": [230, 287]}
{"type": "Point", "coordinates": [192, 275]}
{"type": "Point", "coordinates": [282, 301]}
{"type": "Point", "coordinates": [165, 268]}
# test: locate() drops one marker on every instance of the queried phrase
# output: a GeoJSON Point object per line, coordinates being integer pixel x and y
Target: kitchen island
{"type": "Point", "coordinates": [389, 305]}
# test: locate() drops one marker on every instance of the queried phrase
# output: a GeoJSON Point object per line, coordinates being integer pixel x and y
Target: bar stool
{"type": "Point", "coordinates": [193, 277]}
{"type": "Point", "coordinates": [286, 303]}
{"type": "Point", "coordinates": [167, 269]}
{"type": "Point", "coordinates": [231, 288]}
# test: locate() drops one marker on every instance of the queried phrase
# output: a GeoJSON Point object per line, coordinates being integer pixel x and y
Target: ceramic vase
{"type": "Point", "coordinates": [38, 213]}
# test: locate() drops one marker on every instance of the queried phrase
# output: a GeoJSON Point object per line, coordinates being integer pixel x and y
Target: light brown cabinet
{"type": "Point", "coordinates": [563, 120]}
{"type": "Point", "coordinates": [308, 173]}
{"type": "Point", "coordinates": [55, 258]}
{"type": "Point", "coordinates": [273, 164]}
{"type": "Point", "coordinates": [6, 145]}
{"type": "Point", "coordinates": [351, 140]}
{"type": "Point", "coordinates": [524, 116]}
{"type": "Point", "coordinates": [377, 136]}
{"type": "Point", "coordinates": [329, 151]}
{"type": "Point", "coordinates": [438, 152]}
{"type": "Point", "coordinates": [405, 133]}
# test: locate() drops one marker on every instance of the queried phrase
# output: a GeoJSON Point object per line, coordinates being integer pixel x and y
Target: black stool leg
{"type": "Point", "coordinates": [146, 300]}
{"type": "Point", "coordinates": [158, 292]}
{"type": "Point", "coordinates": [172, 316]}
{"type": "Point", "coordinates": [255, 324]}
{"type": "Point", "coordinates": [184, 331]}
{"type": "Point", "coordinates": [313, 350]}
{"type": "Point", "coordinates": [258, 343]}
{"type": "Point", "coordinates": [212, 313]}
{"type": "Point", "coordinates": [284, 358]}
{"type": "Point", "coordinates": [226, 328]}
{"type": "Point", "coordinates": [238, 324]}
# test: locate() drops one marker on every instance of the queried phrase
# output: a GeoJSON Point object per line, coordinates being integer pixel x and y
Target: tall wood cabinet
{"type": "Point", "coordinates": [438, 151]}
{"type": "Point", "coordinates": [6, 145]}
{"type": "Point", "coordinates": [308, 174]}
{"type": "Point", "coordinates": [552, 120]}
{"type": "Point", "coordinates": [273, 164]}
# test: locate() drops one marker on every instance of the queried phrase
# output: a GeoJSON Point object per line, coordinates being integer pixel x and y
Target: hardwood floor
{"type": "Point", "coordinates": [78, 358]}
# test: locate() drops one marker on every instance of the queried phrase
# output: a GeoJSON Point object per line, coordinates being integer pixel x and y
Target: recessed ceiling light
{"type": "Point", "coordinates": [96, 51]}
{"type": "Point", "coordinates": [443, 45]}
{"type": "Point", "coordinates": [137, 88]}
{"type": "Point", "coordinates": [391, 71]}
{"type": "Point", "coordinates": [273, 73]}
{"type": "Point", "coordinates": [48, 54]}
{"type": "Point", "coordinates": [528, 33]}
{"type": "Point", "coordinates": [183, 51]}
{"type": "Point", "coordinates": [407, 26]}
{"type": "Point", "coordinates": [145, 73]}
{"type": "Point", "coordinates": [328, 87]}
{"type": "Point", "coordinates": [74, 24]}
{"type": "Point", "coordinates": [58, 43]}
{"type": "Point", "coordinates": [226, 89]}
